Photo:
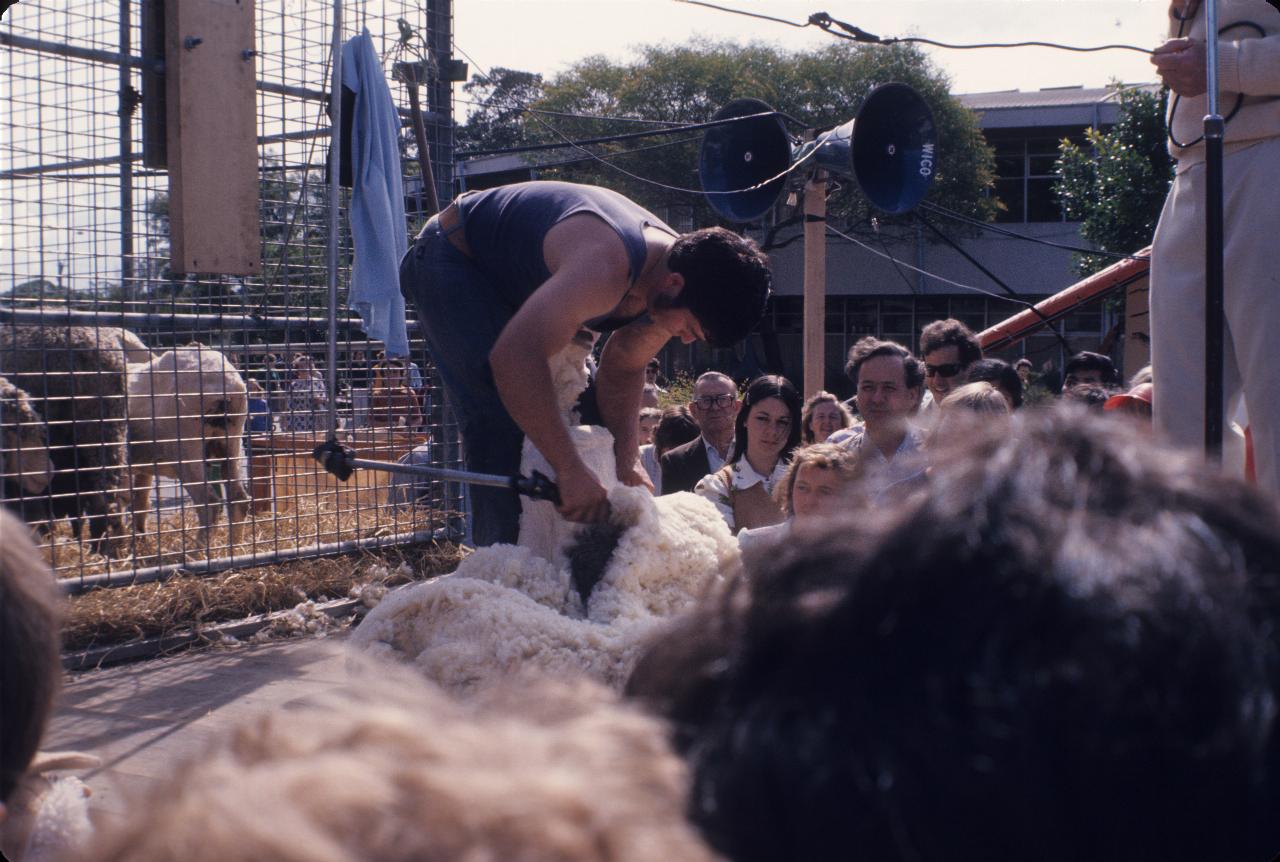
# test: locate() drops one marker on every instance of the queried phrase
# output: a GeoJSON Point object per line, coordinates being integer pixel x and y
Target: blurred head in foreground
{"type": "Point", "coordinates": [30, 665]}
{"type": "Point", "coordinates": [1065, 650]}
{"type": "Point", "coordinates": [392, 770]}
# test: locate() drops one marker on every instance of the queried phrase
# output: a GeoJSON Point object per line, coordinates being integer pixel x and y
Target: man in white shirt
{"type": "Point", "coordinates": [888, 382]}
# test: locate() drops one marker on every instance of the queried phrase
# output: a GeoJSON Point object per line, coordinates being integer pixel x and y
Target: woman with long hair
{"type": "Point", "coordinates": [766, 431]}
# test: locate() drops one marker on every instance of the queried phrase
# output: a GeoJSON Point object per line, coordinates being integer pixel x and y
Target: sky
{"type": "Point", "coordinates": [548, 36]}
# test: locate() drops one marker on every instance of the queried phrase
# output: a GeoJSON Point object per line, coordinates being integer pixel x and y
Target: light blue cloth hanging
{"type": "Point", "coordinates": [378, 227]}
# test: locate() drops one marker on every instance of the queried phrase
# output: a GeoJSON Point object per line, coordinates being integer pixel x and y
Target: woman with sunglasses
{"type": "Point", "coordinates": [766, 431]}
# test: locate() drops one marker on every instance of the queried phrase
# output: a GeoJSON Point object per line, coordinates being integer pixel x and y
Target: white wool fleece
{"type": "Point", "coordinates": [509, 608]}
{"type": "Point", "coordinates": [505, 609]}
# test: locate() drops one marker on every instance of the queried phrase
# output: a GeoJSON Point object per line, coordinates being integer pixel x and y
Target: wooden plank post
{"type": "Point", "coordinates": [815, 282]}
{"type": "Point", "coordinates": [211, 136]}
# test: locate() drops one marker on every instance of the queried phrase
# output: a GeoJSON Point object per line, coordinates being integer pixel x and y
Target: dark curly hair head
{"type": "Point", "coordinates": [871, 347]}
{"type": "Point", "coordinates": [726, 282]}
{"type": "Point", "coordinates": [948, 333]}
{"type": "Point", "coordinates": [1070, 637]}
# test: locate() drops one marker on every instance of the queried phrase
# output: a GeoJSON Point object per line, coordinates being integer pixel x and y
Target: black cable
{"type": "Point", "coordinates": [571, 115]}
{"type": "Point", "coordinates": [952, 214]}
{"type": "Point", "coordinates": [1177, 99]}
{"type": "Point", "coordinates": [867, 247]}
{"type": "Point", "coordinates": [747, 14]}
{"type": "Point", "coordinates": [989, 274]}
{"type": "Point", "coordinates": [578, 159]}
{"type": "Point", "coordinates": [855, 34]}
{"type": "Point", "coordinates": [1032, 44]}
{"type": "Point", "coordinates": [625, 136]}
{"type": "Point", "coordinates": [911, 288]}
{"type": "Point", "coordinates": [655, 183]}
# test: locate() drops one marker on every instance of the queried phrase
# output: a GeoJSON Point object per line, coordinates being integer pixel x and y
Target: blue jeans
{"type": "Point", "coordinates": [462, 315]}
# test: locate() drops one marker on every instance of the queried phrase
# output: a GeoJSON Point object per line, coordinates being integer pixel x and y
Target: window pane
{"type": "Point", "coordinates": [897, 323]}
{"type": "Point", "coordinates": [1010, 194]}
{"type": "Point", "coordinates": [789, 314]}
{"type": "Point", "coordinates": [1042, 205]}
{"type": "Point", "coordinates": [1009, 166]}
{"type": "Point", "coordinates": [1041, 146]}
{"type": "Point", "coordinates": [1041, 165]}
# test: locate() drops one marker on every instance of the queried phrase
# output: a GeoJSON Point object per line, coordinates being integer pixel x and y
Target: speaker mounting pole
{"type": "Point", "coordinates": [815, 282]}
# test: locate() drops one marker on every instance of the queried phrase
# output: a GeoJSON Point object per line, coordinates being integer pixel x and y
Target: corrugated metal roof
{"type": "Point", "coordinates": [1054, 97]}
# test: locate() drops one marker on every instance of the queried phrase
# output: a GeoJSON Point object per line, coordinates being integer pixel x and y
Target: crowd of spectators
{"type": "Point", "coordinates": [985, 632]}
{"type": "Point", "coordinates": [905, 408]}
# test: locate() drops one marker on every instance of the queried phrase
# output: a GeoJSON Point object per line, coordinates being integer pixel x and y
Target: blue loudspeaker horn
{"type": "Point", "coordinates": [889, 148]}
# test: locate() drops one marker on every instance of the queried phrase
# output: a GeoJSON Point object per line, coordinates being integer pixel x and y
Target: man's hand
{"type": "Point", "coordinates": [1180, 63]}
{"type": "Point", "coordinates": [582, 497]}
{"type": "Point", "coordinates": [634, 475]}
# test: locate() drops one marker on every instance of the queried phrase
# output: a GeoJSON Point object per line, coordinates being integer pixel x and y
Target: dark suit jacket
{"type": "Point", "coordinates": [683, 466]}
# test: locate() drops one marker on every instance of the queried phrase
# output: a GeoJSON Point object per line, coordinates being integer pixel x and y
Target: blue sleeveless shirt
{"type": "Point", "coordinates": [505, 228]}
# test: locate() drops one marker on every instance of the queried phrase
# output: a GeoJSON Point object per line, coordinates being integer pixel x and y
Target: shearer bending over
{"type": "Point", "coordinates": [505, 279]}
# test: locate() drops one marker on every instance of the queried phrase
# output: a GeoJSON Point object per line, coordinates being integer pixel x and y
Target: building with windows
{"type": "Point", "coordinates": [876, 283]}
{"type": "Point", "coordinates": [891, 282]}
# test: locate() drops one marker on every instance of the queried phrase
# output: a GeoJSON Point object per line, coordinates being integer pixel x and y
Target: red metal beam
{"type": "Point", "coordinates": [1024, 323]}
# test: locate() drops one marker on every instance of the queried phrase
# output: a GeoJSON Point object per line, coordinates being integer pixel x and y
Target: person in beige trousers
{"type": "Point", "coordinates": [1248, 75]}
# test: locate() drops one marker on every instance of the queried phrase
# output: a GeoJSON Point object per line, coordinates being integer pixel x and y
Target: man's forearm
{"type": "Point", "coordinates": [618, 396]}
{"type": "Point", "coordinates": [528, 394]}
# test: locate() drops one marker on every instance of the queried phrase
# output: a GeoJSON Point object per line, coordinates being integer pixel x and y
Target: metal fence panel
{"type": "Point", "coordinates": [151, 420]}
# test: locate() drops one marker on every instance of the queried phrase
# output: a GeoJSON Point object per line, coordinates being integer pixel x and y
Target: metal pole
{"type": "Point", "coordinates": [127, 105]}
{"type": "Point", "coordinates": [335, 172]}
{"type": "Point", "coordinates": [1214, 313]}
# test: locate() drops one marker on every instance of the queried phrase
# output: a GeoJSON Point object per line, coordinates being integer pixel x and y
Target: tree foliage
{"type": "Point", "coordinates": [1116, 184]}
{"type": "Point", "coordinates": [689, 83]}
{"type": "Point", "coordinates": [498, 119]}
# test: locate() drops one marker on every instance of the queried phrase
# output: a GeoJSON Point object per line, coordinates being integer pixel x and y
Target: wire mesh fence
{"type": "Point", "coordinates": [152, 420]}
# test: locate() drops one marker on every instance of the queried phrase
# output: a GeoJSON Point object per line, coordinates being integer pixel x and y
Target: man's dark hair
{"type": "Point", "coordinates": [949, 332]}
{"type": "Point", "coordinates": [30, 669]}
{"type": "Point", "coordinates": [676, 427]}
{"type": "Point", "coordinates": [1066, 650]}
{"type": "Point", "coordinates": [726, 282]}
{"type": "Point", "coordinates": [871, 347]}
{"type": "Point", "coordinates": [1088, 361]}
{"type": "Point", "coordinates": [767, 386]}
{"type": "Point", "coordinates": [999, 374]}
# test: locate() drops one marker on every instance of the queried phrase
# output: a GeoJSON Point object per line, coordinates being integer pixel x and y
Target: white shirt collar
{"type": "Point", "coordinates": [714, 460]}
{"type": "Point", "coordinates": [744, 475]}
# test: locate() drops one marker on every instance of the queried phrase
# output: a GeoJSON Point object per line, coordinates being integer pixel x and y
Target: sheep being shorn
{"type": "Point", "coordinates": [24, 447]}
{"type": "Point", "coordinates": [509, 607]}
{"type": "Point", "coordinates": [75, 377]}
{"type": "Point", "coordinates": [187, 412]}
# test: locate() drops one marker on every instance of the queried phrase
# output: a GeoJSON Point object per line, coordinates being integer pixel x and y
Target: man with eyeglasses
{"type": "Point", "coordinates": [948, 348]}
{"type": "Point", "coordinates": [714, 407]}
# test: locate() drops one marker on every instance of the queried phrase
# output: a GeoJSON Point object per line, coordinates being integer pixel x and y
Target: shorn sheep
{"type": "Point", "coordinates": [75, 376]}
{"type": "Point", "coordinates": [24, 447]}
{"type": "Point", "coordinates": [187, 412]}
{"type": "Point", "coordinates": [510, 607]}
